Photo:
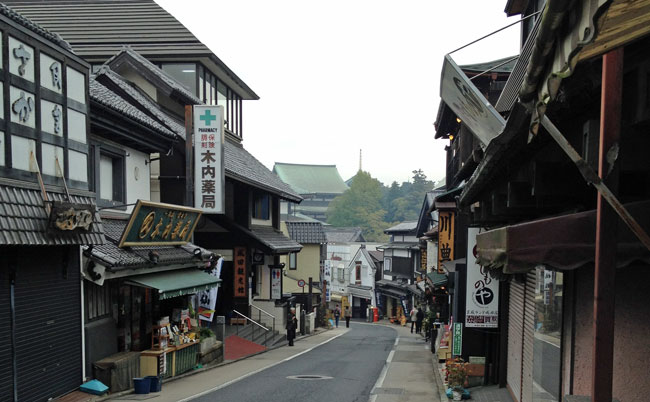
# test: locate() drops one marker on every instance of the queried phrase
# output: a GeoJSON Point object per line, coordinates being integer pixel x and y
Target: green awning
{"type": "Point", "coordinates": [176, 283]}
{"type": "Point", "coordinates": [437, 279]}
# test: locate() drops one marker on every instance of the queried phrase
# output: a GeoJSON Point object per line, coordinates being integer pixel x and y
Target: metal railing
{"type": "Point", "coordinates": [256, 324]}
{"type": "Point", "coordinates": [260, 311]}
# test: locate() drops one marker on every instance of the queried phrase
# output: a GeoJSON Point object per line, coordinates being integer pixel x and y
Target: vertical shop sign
{"type": "Point", "coordinates": [240, 272]}
{"type": "Point", "coordinates": [482, 296]}
{"type": "Point", "coordinates": [457, 342]}
{"type": "Point", "coordinates": [208, 159]}
{"type": "Point", "coordinates": [445, 238]}
{"type": "Point", "coordinates": [327, 277]}
{"type": "Point", "coordinates": [276, 283]}
{"type": "Point", "coordinates": [423, 261]}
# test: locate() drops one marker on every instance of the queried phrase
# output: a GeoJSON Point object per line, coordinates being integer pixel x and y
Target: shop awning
{"type": "Point", "coordinates": [364, 292]}
{"type": "Point", "coordinates": [176, 283]}
{"type": "Point", "coordinates": [336, 298]}
{"type": "Point", "coordinates": [435, 279]}
{"type": "Point", "coordinates": [392, 289]}
{"type": "Point", "coordinates": [564, 242]}
{"type": "Point", "coordinates": [265, 238]}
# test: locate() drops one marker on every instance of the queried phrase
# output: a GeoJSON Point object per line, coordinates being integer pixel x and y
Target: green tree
{"type": "Point", "coordinates": [407, 206]}
{"type": "Point", "coordinates": [360, 205]}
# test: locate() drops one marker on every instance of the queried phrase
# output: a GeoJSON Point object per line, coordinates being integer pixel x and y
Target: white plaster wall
{"type": "Point", "coordinates": [137, 184]}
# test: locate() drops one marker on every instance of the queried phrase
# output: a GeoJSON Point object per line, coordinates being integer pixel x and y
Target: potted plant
{"type": "Point", "coordinates": [456, 377]}
{"type": "Point", "coordinates": [207, 338]}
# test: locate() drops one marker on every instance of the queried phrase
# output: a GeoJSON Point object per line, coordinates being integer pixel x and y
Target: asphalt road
{"type": "Point", "coordinates": [354, 361]}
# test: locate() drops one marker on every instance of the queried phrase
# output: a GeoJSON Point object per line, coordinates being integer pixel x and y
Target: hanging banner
{"type": "Point", "coordinates": [208, 138]}
{"type": "Point", "coordinates": [239, 263]}
{"type": "Point", "coordinates": [482, 295]}
{"type": "Point", "coordinates": [446, 220]}
{"type": "Point", "coordinates": [468, 103]}
{"type": "Point", "coordinates": [457, 341]}
{"type": "Point", "coordinates": [276, 283]}
{"type": "Point", "coordinates": [208, 298]}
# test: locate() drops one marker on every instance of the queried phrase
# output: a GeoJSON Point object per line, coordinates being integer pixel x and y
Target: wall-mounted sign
{"type": "Point", "coordinates": [446, 223]}
{"type": "Point", "coordinates": [69, 217]}
{"type": "Point", "coordinates": [239, 264]}
{"type": "Point", "coordinates": [158, 224]}
{"type": "Point", "coordinates": [482, 295]}
{"type": "Point", "coordinates": [276, 283]}
{"type": "Point", "coordinates": [208, 159]}
{"type": "Point", "coordinates": [423, 261]}
{"type": "Point", "coordinates": [468, 103]}
{"type": "Point", "coordinates": [457, 340]}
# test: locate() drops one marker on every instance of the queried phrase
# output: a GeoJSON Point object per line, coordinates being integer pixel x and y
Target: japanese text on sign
{"type": "Point", "coordinates": [153, 223]}
{"type": "Point", "coordinates": [445, 238]}
{"type": "Point", "coordinates": [208, 158]}
{"type": "Point", "coordinates": [239, 264]}
{"type": "Point", "coordinates": [482, 296]}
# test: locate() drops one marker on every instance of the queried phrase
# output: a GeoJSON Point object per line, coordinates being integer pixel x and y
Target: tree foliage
{"type": "Point", "coordinates": [374, 207]}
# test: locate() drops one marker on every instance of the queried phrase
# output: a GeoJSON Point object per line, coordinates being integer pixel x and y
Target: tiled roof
{"type": "Point", "coordinates": [127, 53]}
{"type": "Point", "coordinates": [112, 100]}
{"type": "Point", "coordinates": [311, 179]}
{"type": "Point", "coordinates": [377, 256]}
{"type": "Point", "coordinates": [402, 227]}
{"type": "Point", "coordinates": [116, 258]}
{"type": "Point", "coordinates": [52, 37]}
{"type": "Point", "coordinates": [274, 239]}
{"type": "Point", "coordinates": [108, 76]}
{"type": "Point", "coordinates": [242, 166]}
{"type": "Point", "coordinates": [343, 234]}
{"type": "Point", "coordinates": [24, 219]}
{"type": "Point", "coordinates": [306, 232]}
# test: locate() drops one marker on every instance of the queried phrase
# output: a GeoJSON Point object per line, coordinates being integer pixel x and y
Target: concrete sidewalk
{"type": "Point", "coordinates": [189, 386]}
{"type": "Point", "coordinates": [409, 374]}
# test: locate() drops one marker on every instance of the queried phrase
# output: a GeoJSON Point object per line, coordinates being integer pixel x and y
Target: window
{"type": "Point", "coordinates": [185, 73]}
{"type": "Point", "coordinates": [292, 261]}
{"type": "Point", "coordinates": [110, 176]}
{"type": "Point", "coordinates": [98, 300]}
{"type": "Point", "coordinates": [357, 272]}
{"type": "Point", "coordinates": [340, 273]}
{"type": "Point", "coordinates": [261, 206]}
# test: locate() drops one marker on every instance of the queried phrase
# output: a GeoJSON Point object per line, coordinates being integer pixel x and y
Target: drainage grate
{"type": "Point", "coordinates": [309, 377]}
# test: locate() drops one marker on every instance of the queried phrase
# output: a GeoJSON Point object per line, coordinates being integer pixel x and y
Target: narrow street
{"type": "Point", "coordinates": [366, 362]}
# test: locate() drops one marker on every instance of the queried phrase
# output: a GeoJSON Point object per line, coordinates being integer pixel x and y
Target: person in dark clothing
{"type": "Point", "coordinates": [337, 315]}
{"type": "Point", "coordinates": [292, 324]}
{"type": "Point", "coordinates": [419, 317]}
{"type": "Point", "coordinates": [347, 316]}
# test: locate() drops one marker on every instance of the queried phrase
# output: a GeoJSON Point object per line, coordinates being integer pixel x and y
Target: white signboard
{"type": "Point", "coordinates": [208, 298]}
{"type": "Point", "coordinates": [482, 295]}
{"type": "Point", "coordinates": [276, 283]}
{"type": "Point", "coordinates": [468, 103]}
{"type": "Point", "coordinates": [327, 276]}
{"type": "Point", "coordinates": [208, 159]}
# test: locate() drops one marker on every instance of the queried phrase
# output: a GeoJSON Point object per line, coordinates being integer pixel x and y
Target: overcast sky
{"type": "Point", "coordinates": [337, 76]}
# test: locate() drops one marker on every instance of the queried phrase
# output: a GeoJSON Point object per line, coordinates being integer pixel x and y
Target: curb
{"type": "Point", "coordinates": [206, 368]}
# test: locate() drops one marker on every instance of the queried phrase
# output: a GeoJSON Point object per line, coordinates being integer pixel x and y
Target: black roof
{"type": "Point", "coordinates": [24, 219]}
{"type": "Point", "coordinates": [244, 167]}
{"type": "Point", "coordinates": [134, 60]}
{"type": "Point", "coordinates": [306, 232]}
{"type": "Point", "coordinates": [344, 234]}
{"type": "Point", "coordinates": [32, 26]}
{"type": "Point", "coordinates": [98, 29]}
{"type": "Point", "coordinates": [116, 258]}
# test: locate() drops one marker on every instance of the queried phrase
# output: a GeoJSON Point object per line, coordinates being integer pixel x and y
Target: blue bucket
{"type": "Point", "coordinates": [141, 385]}
{"type": "Point", "coordinates": [156, 383]}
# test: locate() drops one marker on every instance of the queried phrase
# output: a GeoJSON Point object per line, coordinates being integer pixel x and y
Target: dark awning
{"type": "Point", "coordinates": [564, 242]}
{"type": "Point", "coordinates": [435, 279]}
{"type": "Point", "coordinates": [176, 283]}
{"type": "Point", "coordinates": [391, 288]}
{"type": "Point", "coordinates": [266, 238]}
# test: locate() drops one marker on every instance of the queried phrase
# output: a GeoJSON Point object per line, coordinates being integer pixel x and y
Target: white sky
{"type": "Point", "coordinates": [337, 76]}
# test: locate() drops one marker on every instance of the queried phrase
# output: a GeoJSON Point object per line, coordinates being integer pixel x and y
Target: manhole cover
{"type": "Point", "coordinates": [309, 377]}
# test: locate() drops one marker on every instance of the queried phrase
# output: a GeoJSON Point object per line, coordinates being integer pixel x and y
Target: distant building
{"type": "Point", "coordinates": [317, 184]}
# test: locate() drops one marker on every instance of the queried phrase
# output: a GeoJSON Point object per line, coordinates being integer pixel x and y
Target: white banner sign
{"type": "Point", "coordinates": [327, 276]}
{"type": "Point", "coordinates": [208, 298]}
{"type": "Point", "coordinates": [208, 159]}
{"type": "Point", "coordinates": [276, 283]}
{"type": "Point", "coordinates": [468, 103]}
{"type": "Point", "coordinates": [482, 295]}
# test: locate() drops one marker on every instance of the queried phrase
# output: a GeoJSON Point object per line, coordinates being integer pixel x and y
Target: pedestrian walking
{"type": "Point", "coordinates": [347, 315]}
{"type": "Point", "coordinates": [419, 317]}
{"type": "Point", "coordinates": [337, 315]}
{"type": "Point", "coordinates": [413, 317]}
{"type": "Point", "coordinates": [292, 324]}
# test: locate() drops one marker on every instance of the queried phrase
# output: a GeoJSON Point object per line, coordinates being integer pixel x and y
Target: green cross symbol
{"type": "Point", "coordinates": [207, 117]}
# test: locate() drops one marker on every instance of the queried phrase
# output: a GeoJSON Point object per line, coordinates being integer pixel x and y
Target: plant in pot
{"type": "Point", "coordinates": [456, 377]}
{"type": "Point", "coordinates": [207, 338]}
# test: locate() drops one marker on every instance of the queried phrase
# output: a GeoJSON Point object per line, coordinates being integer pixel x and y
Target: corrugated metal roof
{"type": "Point", "coordinates": [306, 232]}
{"type": "Point", "coordinates": [98, 29]}
{"type": "Point", "coordinates": [311, 179]}
{"type": "Point", "coordinates": [24, 219]}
